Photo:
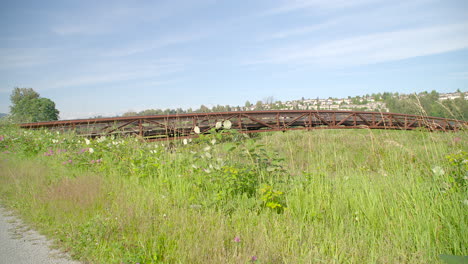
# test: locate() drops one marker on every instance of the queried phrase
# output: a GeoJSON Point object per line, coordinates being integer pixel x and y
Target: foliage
{"type": "Point", "coordinates": [458, 169]}
{"type": "Point", "coordinates": [272, 198]}
{"type": "Point", "coordinates": [354, 196]}
{"type": "Point", "coordinates": [426, 103]}
{"type": "Point", "coordinates": [28, 106]}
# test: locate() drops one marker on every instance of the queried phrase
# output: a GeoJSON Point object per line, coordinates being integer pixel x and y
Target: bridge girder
{"type": "Point", "coordinates": [163, 127]}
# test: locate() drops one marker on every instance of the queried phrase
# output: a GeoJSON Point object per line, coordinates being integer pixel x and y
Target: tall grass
{"type": "Point", "coordinates": [324, 196]}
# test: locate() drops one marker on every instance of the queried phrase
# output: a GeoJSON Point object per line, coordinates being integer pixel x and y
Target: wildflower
{"type": "Point", "coordinates": [92, 161]}
{"type": "Point", "coordinates": [185, 141]}
{"type": "Point", "coordinates": [227, 124]}
{"type": "Point", "coordinates": [64, 163]}
{"type": "Point", "coordinates": [438, 171]}
{"type": "Point", "coordinates": [219, 125]}
{"type": "Point", "coordinates": [70, 161]}
{"type": "Point", "coordinates": [87, 141]}
{"type": "Point", "coordinates": [83, 150]}
{"type": "Point", "coordinates": [98, 160]}
{"type": "Point", "coordinates": [253, 258]}
{"type": "Point", "coordinates": [207, 148]}
{"type": "Point", "coordinates": [91, 150]}
{"type": "Point", "coordinates": [196, 129]}
{"type": "Point", "coordinates": [2, 138]}
{"type": "Point", "coordinates": [55, 141]}
{"type": "Point", "coordinates": [237, 239]}
{"type": "Point", "coordinates": [213, 141]}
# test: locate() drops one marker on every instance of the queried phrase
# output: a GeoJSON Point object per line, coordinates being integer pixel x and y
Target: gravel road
{"type": "Point", "coordinates": [20, 245]}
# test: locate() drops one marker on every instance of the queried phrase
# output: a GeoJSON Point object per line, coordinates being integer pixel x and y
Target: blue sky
{"type": "Point", "coordinates": [108, 57]}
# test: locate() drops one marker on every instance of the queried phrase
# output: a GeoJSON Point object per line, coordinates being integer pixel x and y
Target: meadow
{"type": "Point", "coordinates": [321, 196]}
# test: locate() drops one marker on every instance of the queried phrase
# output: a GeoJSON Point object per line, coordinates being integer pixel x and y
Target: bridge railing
{"type": "Point", "coordinates": [186, 125]}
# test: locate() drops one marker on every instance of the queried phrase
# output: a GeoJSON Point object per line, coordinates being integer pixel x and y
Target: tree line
{"type": "Point", "coordinates": [424, 103]}
{"type": "Point", "coordinates": [28, 106]}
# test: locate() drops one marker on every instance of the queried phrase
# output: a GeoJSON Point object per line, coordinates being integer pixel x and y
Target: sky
{"type": "Point", "coordinates": [110, 57]}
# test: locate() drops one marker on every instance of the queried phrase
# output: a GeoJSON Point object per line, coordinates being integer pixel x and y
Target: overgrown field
{"type": "Point", "coordinates": [323, 196]}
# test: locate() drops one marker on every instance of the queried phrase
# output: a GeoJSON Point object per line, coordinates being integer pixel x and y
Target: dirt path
{"type": "Point", "coordinates": [20, 245]}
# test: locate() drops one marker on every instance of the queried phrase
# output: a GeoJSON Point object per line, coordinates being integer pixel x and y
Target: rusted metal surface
{"type": "Point", "coordinates": [162, 127]}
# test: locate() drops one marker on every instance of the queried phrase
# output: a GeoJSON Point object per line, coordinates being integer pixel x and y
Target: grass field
{"type": "Point", "coordinates": [323, 196]}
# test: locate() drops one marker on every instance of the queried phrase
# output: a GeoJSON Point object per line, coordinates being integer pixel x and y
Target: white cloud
{"type": "Point", "coordinates": [19, 58]}
{"type": "Point", "coordinates": [299, 31]}
{"type": "Point", "coordinates": [291, 6]}
{"type": "Point", "coordinates": [459, 75]}
{"type": "Point", "coordinates": [373, 48]}
{"type": "Point", "coordinates": [383, 15]}
{"type": "Point", "coordinates": [140, 47]}
{"type": "Point", "coordinates": [114, 73]}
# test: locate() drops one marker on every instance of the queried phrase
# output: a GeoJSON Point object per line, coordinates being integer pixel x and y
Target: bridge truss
{"type": "Point", "coordinates": [163, 127]}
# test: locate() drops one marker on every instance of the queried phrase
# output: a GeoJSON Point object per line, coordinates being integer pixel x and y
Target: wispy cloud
{"type": "Point", "coordinates": [21, 58]}
{"type": "Point", "coordinates": [300, 30]}
{"type": "Point", "coordinates": [372, 48]}
{"type": "Point", "coordinates": [104, 19]}
{"type": "Point", "coordinates": [459, 75]}
{"type": "Point", "coordinates": [112, 74]}
{"type": "Point", "coordinates": [377, 17]}
{"type": "Point", "coordinates": [144, 46]}
{"type": "Point", "coordinates": [296, 5]}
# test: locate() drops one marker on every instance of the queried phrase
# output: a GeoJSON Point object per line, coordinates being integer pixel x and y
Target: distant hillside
{"type": "Point", "coordinates": [451, 105]}
{"type": "Point", "coordinates": [2, 115]}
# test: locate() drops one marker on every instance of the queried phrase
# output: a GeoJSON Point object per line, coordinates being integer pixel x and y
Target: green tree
{"type": "Point", "coordinates": [28, 106]}
{"type": "Point", "coordinates": [259, 105]}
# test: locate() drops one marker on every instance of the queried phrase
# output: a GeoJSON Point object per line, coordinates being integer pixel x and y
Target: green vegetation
{"type": "Point", "coordinates": [322, 196]}
{"type": "Point", "coordinates": [28, 106]}
{"type": "Point", "coordinates": [426, 103]}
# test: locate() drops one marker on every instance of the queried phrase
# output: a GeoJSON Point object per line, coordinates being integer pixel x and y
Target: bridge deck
{"type": "Point", "coordinates": [160, 127]}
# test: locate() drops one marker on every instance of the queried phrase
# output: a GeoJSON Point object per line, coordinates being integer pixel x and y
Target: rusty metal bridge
{"type": "Point", "coordinates": [163, 127]}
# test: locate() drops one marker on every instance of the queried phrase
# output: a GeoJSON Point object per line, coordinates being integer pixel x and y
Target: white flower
{"type": "Point", "coordinates": [91, 150]}
{"type": "Point", "coordinates": [101, 139]}
{"type": "Point", "coordinates": [213, 141]}
{"type": "Point", "coordinates": [219, 125]}
{"type": "Point", "coordinates": [87, 141]}
{"type": "Point", "coordinates": [227, 124]}
{"type": "Point", "coordinates": [207, 148]}
{"type": "Point", "coordinates": [55, 141]}
{"type": "Point", "coordinates": [185, 141]}
{"type": "Point", "coordinates": [196, 129]}
{"type": "Point", "coordinates": [438, 171]}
